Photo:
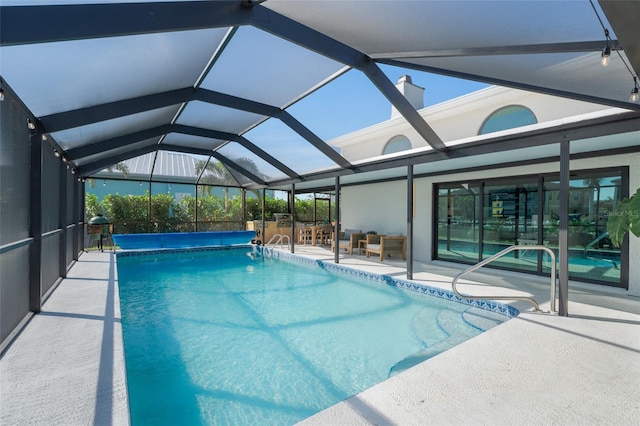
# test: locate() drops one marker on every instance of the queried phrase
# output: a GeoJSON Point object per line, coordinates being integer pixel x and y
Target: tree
{"type": "Point", "coordinates": [624, 218]}
{"type": "Point", "coordinates": [216, 173]}
{"type": "Point", "coordinates": [129, 213]}
{"type": "Point", "coordinates": [118, 167]}
{"type": "Point", "coordinates": [92, 206]}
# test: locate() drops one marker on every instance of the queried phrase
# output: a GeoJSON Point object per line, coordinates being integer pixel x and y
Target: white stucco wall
{"type": "Point", "coordinates": [382, 206]}
{"type": "Point", "coordinates": [457, 119]}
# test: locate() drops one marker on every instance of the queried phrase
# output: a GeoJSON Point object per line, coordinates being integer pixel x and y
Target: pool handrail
{"type": "Point", "coordinates": [500, 254]}
{"type": "Point", "coordinates": [278, 238]}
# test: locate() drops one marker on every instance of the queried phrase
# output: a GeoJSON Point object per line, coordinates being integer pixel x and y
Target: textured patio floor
{"type": "Point", "coordinates": [67, 366]}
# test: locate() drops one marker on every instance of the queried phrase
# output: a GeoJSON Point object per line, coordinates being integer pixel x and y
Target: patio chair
{"type": "Point", "coordinates": [348, 239]}
{"type": "Point", "coordinates": [325, 233]}
{"type": "Point", "coordinates": [388, 245]}
{"type": "Point", "coordinates": [305, 233]}
{"type": "Point", "coordinates": [370, 239]}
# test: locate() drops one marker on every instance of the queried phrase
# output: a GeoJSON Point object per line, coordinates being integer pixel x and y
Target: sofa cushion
{"type": "Point", "coordinates": [348, 232]}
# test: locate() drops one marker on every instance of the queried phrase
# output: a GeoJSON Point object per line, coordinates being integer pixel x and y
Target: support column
{"type": "Point", "coordinates": [293, 217]}
{"type": "Point", "coordinates": [75, 217]}
{"type": "Point", "coordinates": [449, 209]}
{"type": "Point", "coordinates": [149, 205]}
{"type": "Point", "coordinates": [563, 233]}
{"type": "Point", "coordinates": [481, 222]}
{"type": "Point", "coordinates": [336, 228]}
{"type": "Point", "coordinates": [315, 209]}
{"type": "Point", "coordinates": [35, 224]}
{"type": "Point", "coordinates": [195, 210]}
{"type": "Point", "coordinates": [264, 208]}
{"type": "Point", "coordinates": [62, 221]}
{"type": "Point", "coordinates": [244, 209]}
{"type": "Point", "coordinates": [410, 222]}
{"type": "Point", "coordinates": [81, 218]}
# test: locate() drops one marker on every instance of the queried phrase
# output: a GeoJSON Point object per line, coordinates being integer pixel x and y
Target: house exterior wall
{"type": "Point", "coordinates": [457, 119]}
{"type": "Point", "coordinates": [452, 121]}
{"type": "Point", "coordinates": [382, 206]}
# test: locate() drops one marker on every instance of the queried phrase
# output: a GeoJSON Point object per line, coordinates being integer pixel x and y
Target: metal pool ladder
{"type": "Point", "coordinates": [500, 254]}
{"type": "Point", "coordinates": [279, 239]}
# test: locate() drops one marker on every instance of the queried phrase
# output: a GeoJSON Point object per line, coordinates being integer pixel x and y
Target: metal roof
{"type": "Point", "coordinates": [255, 85]}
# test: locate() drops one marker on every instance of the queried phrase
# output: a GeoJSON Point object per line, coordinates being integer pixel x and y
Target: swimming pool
{"type": "Point", "coordinates": [231, 336]}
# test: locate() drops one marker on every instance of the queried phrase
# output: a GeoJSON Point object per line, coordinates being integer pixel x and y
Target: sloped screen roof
{"type": "Point", "coordinates": [253, 85]}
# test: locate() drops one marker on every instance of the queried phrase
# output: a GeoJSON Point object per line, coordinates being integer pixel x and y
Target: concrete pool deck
{"type": "Point", "coordinates": [67, 365]}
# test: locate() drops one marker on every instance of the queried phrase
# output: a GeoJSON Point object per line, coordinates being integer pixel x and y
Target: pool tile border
{"type": "Point", "coordinates": [488, 305]}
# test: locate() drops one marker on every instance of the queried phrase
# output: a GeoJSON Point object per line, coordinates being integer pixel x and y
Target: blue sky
{"type": "Point", "coordinates": [349, 103]}
{"type": "Point", "coordinates": [352, 102]}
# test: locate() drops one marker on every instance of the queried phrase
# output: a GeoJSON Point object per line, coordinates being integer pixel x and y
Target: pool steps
{"type": "Point", "coordinates": [475, 319]}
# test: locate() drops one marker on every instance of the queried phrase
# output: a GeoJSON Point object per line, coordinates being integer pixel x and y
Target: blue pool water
{"type": "Point", "coordinates": [233, 337]}
{"type": "Point", "coordinates": [578, 257]}
{"type": "Point", "coordinates": [182, 239]}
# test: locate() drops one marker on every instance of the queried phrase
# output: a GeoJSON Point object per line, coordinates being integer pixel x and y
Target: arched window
{"type": "Point", "coordinates": [396, 144]}
{"type": "Point", "coordinates": [508, 117]}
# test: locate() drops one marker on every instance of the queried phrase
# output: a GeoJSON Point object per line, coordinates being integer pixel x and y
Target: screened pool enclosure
{"type": "Point", "coordinates": [201, 111]}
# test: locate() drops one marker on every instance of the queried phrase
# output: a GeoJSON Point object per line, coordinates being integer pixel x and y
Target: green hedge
{"type": "Point", "coordinates": [163, 213]}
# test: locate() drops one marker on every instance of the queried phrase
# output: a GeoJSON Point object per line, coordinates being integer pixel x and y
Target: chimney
{"type": "Point", "coordinates": [413, 93]}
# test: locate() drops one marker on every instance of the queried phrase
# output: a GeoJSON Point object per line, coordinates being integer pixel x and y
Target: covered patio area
{"type": "Point", "coordinates": [462, 127]}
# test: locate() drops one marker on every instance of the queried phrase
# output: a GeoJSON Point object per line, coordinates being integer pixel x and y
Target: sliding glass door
{"type": "Point", "coordinates": [592, 197]}
{"type": "Point", "coordinates": [458, 223]}
{"type": "Point", "coordinates": [510, 217]}
{"type": "Point", "coordinates": [477, 219]}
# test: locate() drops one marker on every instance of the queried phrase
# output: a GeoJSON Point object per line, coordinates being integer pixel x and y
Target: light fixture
{"type": "Point", "coordinates": [606, 52]}
{"type": "Point", "coordinates": [30, 124]}
{"type": "Point", "coordinates": [634, 92]}
{"type": "Point", "coordinates": [73, 171]}
{"type": "Point", "coordinates": [1, 94]}
{"type": "Point", "coordinates": [64, 159]}
{"type": "Point", "coordinates": [606, 56]}
{"type": "Point", "coordinates": [56, 152]}
{"type": "Point", "coordinates": [44, 137]}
